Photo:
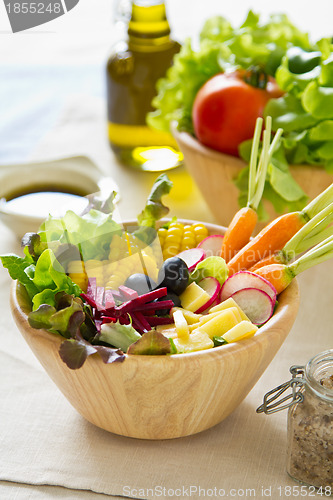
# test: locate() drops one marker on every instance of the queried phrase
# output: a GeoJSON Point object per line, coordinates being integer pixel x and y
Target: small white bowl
{"type": "Point", "coordinates": [73, 174]}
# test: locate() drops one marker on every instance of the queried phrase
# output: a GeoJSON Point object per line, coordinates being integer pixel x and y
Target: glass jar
{"type": "Point", "coordinates": [310, 421]}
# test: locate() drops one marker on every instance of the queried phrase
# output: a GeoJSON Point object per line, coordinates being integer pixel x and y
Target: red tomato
{"type": "Point", "coordinates": [226, 108]}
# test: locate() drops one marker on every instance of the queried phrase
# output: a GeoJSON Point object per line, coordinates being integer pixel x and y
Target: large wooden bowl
{"type": "Point", "coordinates": [161, 397]}
{"type": "Point", "coordinates": [214, 173]}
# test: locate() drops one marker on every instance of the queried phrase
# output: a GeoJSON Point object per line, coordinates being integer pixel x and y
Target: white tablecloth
{"type": "Point", "coordinates": [46, 449]}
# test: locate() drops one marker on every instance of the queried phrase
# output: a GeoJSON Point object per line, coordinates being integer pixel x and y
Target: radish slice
{"type": "Point", "coordinates": [192, 257]}
{"type": "Point", "coordinates": [212, 245]}
{"type": "Point", "coordinates": [212, 287]}
{"type": "Point", "coordinates": [256, 304]}
{"type": "Point", "coordinates": [246, 279]}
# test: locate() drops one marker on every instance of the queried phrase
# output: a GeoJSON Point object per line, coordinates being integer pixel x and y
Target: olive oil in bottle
{"type": "Point", "coordinates": [132, 72]}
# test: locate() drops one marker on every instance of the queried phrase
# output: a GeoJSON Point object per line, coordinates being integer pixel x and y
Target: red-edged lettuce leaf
{"type": "Point", "coordinates": [151, 343]}
{"type": "Point", "coordinates": [65, 317]}
{"type": "Point", "coordinates": [74, 352]}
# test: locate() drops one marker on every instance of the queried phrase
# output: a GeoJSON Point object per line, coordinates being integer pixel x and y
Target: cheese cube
{"type": "Point", "coordinates": [244, 330]}
{"type": "Point", "coordinates": [181, 325]}
{"type": "Point", "coordinates": [219, 324]}
{"type": "Point", "coordinates": [193, 297]}
{"type": "Point", "coordinates": [168, 331]}
{"type": "Point", "coordinates": [190, 316]}
{"type": "Point", "coordinates": [197, 341]}
{"type": "Point", "coordinates": [225, 305]}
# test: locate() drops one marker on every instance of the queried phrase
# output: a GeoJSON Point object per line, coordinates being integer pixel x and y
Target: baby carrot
{"type": "Point", "coordinates": [277, 233]}
{"type": "Point", "coordinates": [313, 232]}
{"type": "Point", "coordinates": [281, 275]}
{"type": "Point", "coordinates": [243, 223]}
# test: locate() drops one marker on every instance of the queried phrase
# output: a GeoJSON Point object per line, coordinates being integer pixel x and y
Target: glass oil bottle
{"type": "Point", "coordinates": [132, 72]}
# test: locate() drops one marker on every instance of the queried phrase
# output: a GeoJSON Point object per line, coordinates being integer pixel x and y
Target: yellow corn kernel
{"type": "Point", "coordinates": [162, 231]}
{"type": "Point", "coordinates": [199, 238]}
{"type": "Point", "coordinates": [176, 224]}
{"type": "Point", "coordinates": [200, 228]}
{"type": "Point", "coordinates": [169, 252]}
{"type": "Point", "coordinates": [177, 232]}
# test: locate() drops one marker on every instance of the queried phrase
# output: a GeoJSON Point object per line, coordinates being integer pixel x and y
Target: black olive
{"type": "Point", "coordinates": [174, 275]}
{"type": "Point", "coordinates": [170, 296]}
{"type": "Point", "coordinates": [140, 283]}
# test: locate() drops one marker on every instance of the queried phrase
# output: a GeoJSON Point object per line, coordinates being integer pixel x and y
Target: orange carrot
{"type": "Point", "coordinates": [281, 275]}
{"type": "Point", "coordinates": [276, 234]}
{"type": "Point", "coordinates": [277, 274]}
{"type": "Point", "coordinates": [270, 239]}
{"type": "Point", "coordinates": [239, 232]}
{"type": "Point", "coordinates": [274, 258]}
{"type": "Point", "coordinates": [313, 232]}
{"type": "Point", "coordinates": [243, 223]}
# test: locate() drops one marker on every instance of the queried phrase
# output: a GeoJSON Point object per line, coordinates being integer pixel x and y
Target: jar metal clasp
{"type": "Point", "coordinates": [273, 401]}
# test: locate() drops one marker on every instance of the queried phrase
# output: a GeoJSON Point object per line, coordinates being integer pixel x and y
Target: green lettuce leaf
{"type": "Point", "coordinates": [117, 335]}
{"type": "Point", "coordinates": [220, 47]}
{"type": "Point", "coordinates": [17, 268]}
{"type": "Point", "coordinates": [63, 320]}
{"type": "Point", "coordinates": [154, 209]}
{"type": "Point", "coordinates": [91, 233]}
{"type": "Point", "coordinates": [318, 101]}
{"type": "Point", "coordinates": [49, 279]}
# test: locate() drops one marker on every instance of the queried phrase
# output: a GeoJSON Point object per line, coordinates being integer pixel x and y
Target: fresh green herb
{"type": "Point", "coordinates": [219, 341]}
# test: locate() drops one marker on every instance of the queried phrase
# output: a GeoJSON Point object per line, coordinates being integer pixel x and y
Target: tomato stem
{"type": "Point", "coordinates": [256, 77]}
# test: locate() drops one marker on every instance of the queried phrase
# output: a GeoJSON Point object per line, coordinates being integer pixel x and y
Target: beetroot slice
{"type": "Point", "coordinates": [127, 293]}
{"type": "Point", "coordinates": [154, 306]}
{"type": "Point", "coordinates": [142, 299]}
{"type": "Point", "coordinates": [91, 288]}
{"type": "Point", "coordinates": [256, 304]}
{"type": "Point", "coordinates": [158, 320]}
{"type": "Point", "coordinates": [109, 302]}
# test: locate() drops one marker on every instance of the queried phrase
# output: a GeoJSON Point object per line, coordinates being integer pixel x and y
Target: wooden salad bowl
{"type": "Point", "coordinates": [214, 173]}
{"type": "Point", "coordinates": [161, 397]}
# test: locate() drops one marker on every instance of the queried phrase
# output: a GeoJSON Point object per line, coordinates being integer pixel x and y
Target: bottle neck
{"type": "Point", "coordinates": [148, 25]}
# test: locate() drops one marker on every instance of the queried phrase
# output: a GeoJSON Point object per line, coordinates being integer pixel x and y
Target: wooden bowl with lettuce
{"type": "Point", "coordinates": [154, 381]}
{"type": "Point", "coordinates": [212, 95]}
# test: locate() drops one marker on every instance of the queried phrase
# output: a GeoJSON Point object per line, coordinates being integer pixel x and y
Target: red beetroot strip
{"type": "Point", "coordinates": [135, 308]}
{"type": "Point", "coordinates": [157, 320]}
{"type": "Point", "coordinates": [131, 305]}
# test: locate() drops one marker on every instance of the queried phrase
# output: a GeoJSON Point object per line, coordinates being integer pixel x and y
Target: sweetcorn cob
{"type": "Point", "coordinates": [94, 269]}
{"type": "Point", "coordinates": [77, 273]}
{"type": "Point", "coordinates": [127, 255]}
{"type": "Point", "coordinates": [179, 237]}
